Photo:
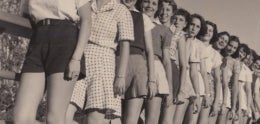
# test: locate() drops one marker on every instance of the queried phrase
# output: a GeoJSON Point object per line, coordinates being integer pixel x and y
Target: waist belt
{"type": "Point", "coordinates": [47, 22]}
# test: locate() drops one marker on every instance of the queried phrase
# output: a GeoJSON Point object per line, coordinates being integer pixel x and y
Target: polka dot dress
{"type": "Point", "coordinates": [98, 84]}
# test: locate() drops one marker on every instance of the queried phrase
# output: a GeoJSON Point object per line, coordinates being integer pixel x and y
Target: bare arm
{"type": "Point", "coordinates": [119, 85]}
{"type": "Point", "coordinates": [203, 73]}
{"type": "Point", "coordinates": [182, 59]}
{"type": "Point", "coordinates": [84, 33]}
{"type": "Point", "coordinates": [235, 91]}
{"type": "Point", "coordinates": [168, 67]}
{"type": "Point", "coordinates": [217, 83]}
{"type": "Point", "coordinates": [150, 62]}
{"type": "Point", "coordinates": [194, 76]}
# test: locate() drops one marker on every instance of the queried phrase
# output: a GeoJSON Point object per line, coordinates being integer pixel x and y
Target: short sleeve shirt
{"type": "Point", "coordinates": [161, 37]}
{"type": "Point", "coordinates": [245, 74]}
{"type": "Point", "coordinates": [54, 9]}
{"type": "Point", "coordinates": [214, 59]}
{"type": "Point", "coordinates": [197, 50]}
{"type": "Point", "coordinates": [112, 21]}
{"type": "Point", "coordinates": [233, 67]}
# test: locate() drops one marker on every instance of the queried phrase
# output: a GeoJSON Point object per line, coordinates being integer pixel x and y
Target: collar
{"type": "Point", "coordinates": [108, 6]}
{"type": "Point", "coordinates": [135, 10]}
{"type": "Point", "coordinates": [157, 21]}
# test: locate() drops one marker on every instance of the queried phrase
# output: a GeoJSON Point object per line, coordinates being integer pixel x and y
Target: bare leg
{"type": "Point", "coordinates": [153, 110]}
{"type": "Point", "coordinates": [59, 95]}
{"type": "Point", "coordinates": [28, 98]}
{"type": "Point", "coordinates": [70, 114]}
{"type": "Point", "coordinates": [180, 112]}
{"type": "Point", "coordinates": [132, 110]}
{"type": "Point", "coordinates": [204, 116]}
{"type": "Point", "coordinates": [167, 114]}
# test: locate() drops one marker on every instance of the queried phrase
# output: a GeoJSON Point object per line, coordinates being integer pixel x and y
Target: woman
{"type": "Point", "coordinates": [189, 90]}
{"type": "Point", "coordinates": [216, 95]}
{"type": "Point", "coordinates": [213, 63]}
{"type": "Point", "coordinates": [161, 40]}
{"type": "Point", "coordinates": [177, 53]}
{"type": "Point", "coordinates": [53, 59]}
{"type": "Point", "coordinates": [230, 72]}
{"type": "Point", "coordinates": [105, 83]}
{"type": "Point", "coordinates": [245, 81]}
{"type": "Point", "coordinates": [140, 76]}
{"type": "Point", "coordinates": [256, 83]}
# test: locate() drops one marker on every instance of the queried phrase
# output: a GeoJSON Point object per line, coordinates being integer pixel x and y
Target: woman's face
{"type": "Point", "coordinates": [256, 65]}
{"type": "Point", "coordinates": [179, 21]}
{"type": "Point", "coordinates": [150, 7]}
{"type": "Point", "coordinates": [129, 3]}
{"type": "Point", "coordinates": [222, 41]}
{"type": "Point", "coordinates": [194, 27]}
{"type": "Point", "coordinates": [241, 53]}
{"type": "Point", "coordinates": [209, 34]}
{"type": "Point", "coordinates": [166, 12]}
{"type": "Point", "coordinates": [231, 48]}
{"type": "Point", "coordinates": [248, 61]}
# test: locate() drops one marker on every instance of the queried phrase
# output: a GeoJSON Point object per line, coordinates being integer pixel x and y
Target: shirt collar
{"type": "Point", "coordinates": [157, 21]}
{"type": "Point", "coordinates": [108, 6]}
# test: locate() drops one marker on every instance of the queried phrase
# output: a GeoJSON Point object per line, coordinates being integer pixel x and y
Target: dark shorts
{"type": "Point", "coordinates": [51, 48]}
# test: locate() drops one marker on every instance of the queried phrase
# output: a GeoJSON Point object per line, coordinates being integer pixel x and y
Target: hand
{"type": "Point", "coordinates": [168, 100]}
{"type": "Point", "coordinates": [152, 89]}
{"type": "Point", "coordinates": [223, 108]}
{"type": "Point", "coordinates": [206, 101]}
{"type": "Point", "coordinates": [73, 69]}
{"type": "Point", "coordinates": [232, 114]}
{"type": "Point", "coordinates": [119, 86]}
{"type": "Point", "coordinates": [214, 110]}
{"type": "Point", "coordinates": [196, 105]}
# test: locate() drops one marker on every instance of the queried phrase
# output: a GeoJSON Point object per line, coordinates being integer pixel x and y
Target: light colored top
{"type": "Point", "coordinates": [214, 59]}
{"type": "Point", "coordinates": [112, 21]}
{"type": "Point", "coordinates": [198, 53]}
{"type": "Point", "coordinates": [173, 50]}
{"type": "Point", "coordinates": [148, 24]}
{"type": "Point", "coordinates": [245, 74]}
{"type": "Point", "coordinates": [233, 67]}
{"type": "Point", "coordinates": [54, 9]}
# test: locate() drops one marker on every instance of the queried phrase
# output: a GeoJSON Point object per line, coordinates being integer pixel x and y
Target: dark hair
{"type": "Point", "coordinates": [183, 13]}
{"type": "Point", "coordinates": [231, 38]}
{"type": "Point", "coordinates": [256, 58]}
{"type": "Point", "coordinates": [218, 35]}
{"type": "Point", "coordinates": [245, 48]}
{"type": "Point", "coordinates": [160, 5]}
{"type": "Point", "coordinates": [203, 27]}
{"type": "Point", "coordinates": [215, 30]}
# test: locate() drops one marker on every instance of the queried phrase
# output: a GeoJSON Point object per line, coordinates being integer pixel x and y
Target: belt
{"type": "Point", "coordinates": [46, 22]}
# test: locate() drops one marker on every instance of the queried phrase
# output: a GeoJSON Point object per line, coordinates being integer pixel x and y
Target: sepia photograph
{"type": "Point", "coordinates": [129, 62]}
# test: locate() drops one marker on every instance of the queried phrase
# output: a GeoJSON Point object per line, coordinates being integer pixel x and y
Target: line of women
{"type": "Point", "coordinates": [144, 59]}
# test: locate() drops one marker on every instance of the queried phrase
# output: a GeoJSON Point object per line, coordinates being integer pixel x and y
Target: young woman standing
{"type": "Point", "coordinates": [230, 73]}
{"type": "Point", "coordinates": [177, 54]}
{"type": "Point", "coordinates": [189, 90]}
{"type": "Point", "coordinates": [53, 58]}
{"type": "Point", "coordinates": [105, 82]}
